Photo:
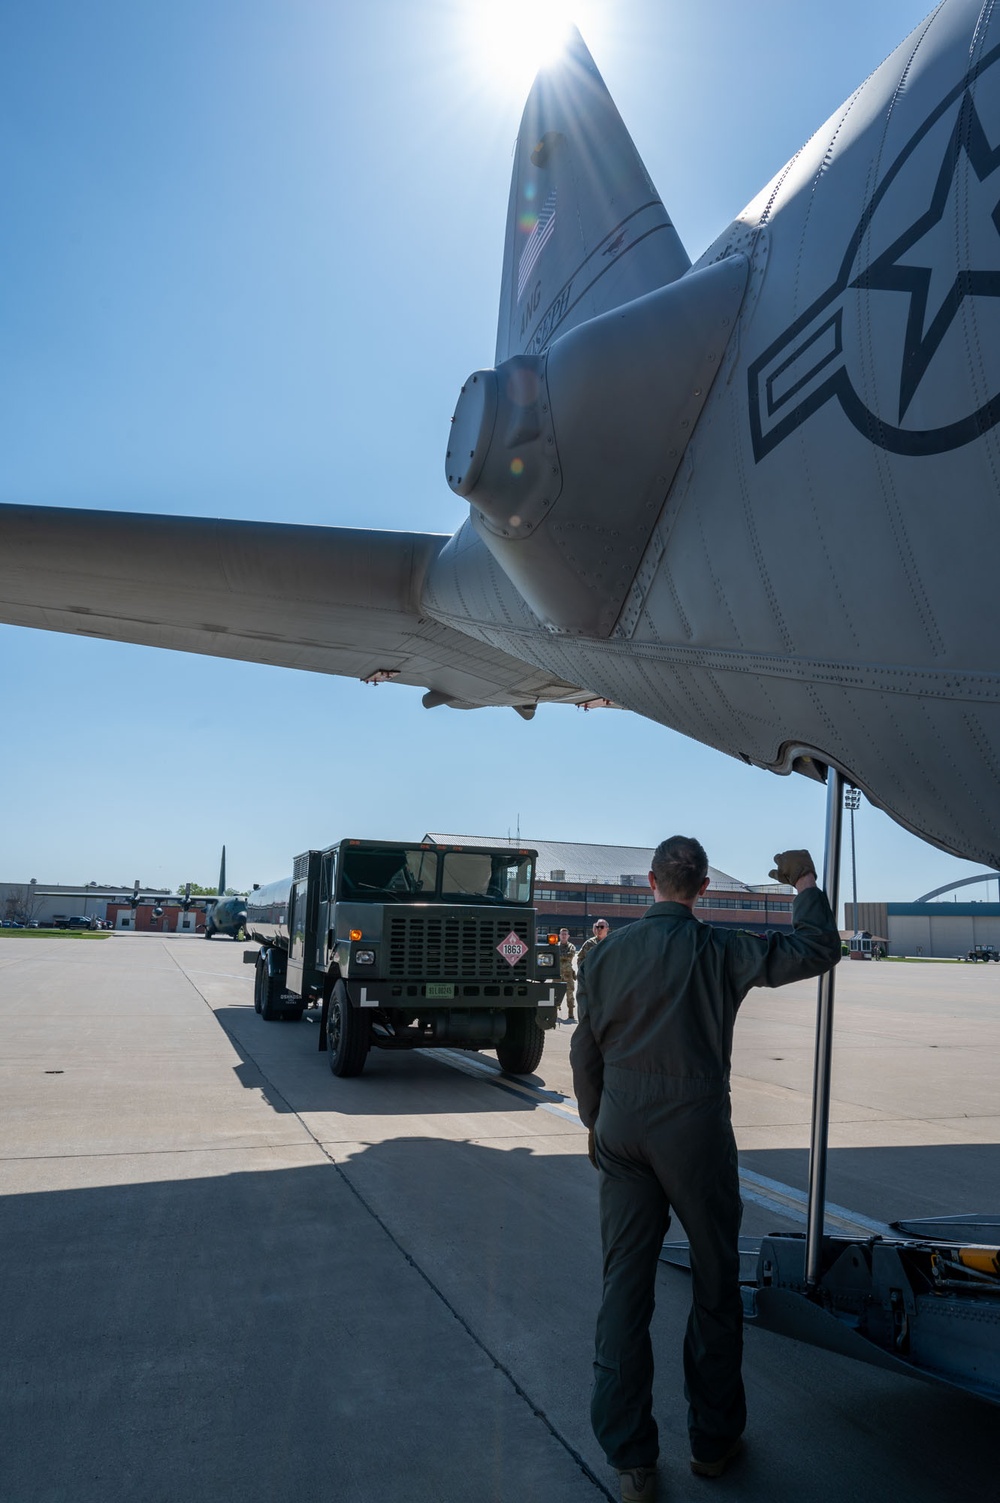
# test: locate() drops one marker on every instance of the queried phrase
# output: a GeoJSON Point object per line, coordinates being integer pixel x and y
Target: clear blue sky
{"type": "Point", "coordinates": [250, 250]}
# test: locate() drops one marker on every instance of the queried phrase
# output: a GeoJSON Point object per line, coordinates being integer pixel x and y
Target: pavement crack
{"type": "Point", "coordinates": [473, 1335]}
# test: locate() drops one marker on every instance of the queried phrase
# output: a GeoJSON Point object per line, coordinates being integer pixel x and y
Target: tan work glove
{"type": "Point", "coordinates": [789, 866]}
{"type": "Point", "coordinates": [591, 1149]}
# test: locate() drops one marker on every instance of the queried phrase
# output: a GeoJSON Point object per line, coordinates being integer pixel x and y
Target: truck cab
{"type": "Point", "coordinates": [407, 946]}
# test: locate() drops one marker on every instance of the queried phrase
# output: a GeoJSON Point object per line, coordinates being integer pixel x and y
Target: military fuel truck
{"type": "Point", "coordinates": [407, 947]}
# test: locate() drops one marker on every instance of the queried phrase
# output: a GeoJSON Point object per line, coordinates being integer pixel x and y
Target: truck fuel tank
{"type": "Point", "coordinates": [478, 1027]}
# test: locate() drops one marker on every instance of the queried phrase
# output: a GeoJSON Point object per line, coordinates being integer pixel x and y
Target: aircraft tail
{"type": "Point", "coordinates": [586, 229]}
{"type": "Point", "coordinates": [222, 873]}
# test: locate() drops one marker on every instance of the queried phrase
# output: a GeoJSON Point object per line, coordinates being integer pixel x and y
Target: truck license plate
{"type": "Point", "coordinates": [439, 989]}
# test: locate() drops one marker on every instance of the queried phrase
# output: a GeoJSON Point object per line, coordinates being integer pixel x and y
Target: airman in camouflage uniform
{"type": "Point", "coordinates": [566, 973]}
{"type": "Point", "coordinates": [601, 931]}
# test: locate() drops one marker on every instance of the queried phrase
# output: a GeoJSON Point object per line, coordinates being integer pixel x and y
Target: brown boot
{"type": "Point", "coordinates": [638, 1484]}
{"type": "Point", "coordinates": [718, 1464]}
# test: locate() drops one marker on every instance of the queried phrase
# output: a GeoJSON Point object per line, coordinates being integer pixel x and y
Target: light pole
{"type": "Point", "coordinates": [852, 801]}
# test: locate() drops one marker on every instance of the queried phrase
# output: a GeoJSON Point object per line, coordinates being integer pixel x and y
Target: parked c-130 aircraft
{"type": "Point", "coordinates": [666, 461]}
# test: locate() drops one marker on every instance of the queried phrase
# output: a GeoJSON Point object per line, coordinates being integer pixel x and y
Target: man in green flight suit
{"type": "Point", "coordinates": [651, 1058]}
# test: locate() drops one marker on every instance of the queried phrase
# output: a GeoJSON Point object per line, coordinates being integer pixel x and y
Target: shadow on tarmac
{"type": "Point", "coordinates": [255, 1336]}
{"type": "Point", "coordinates": [394, 1083]}
{"type": "Point", "coordinates": [311, 1334]}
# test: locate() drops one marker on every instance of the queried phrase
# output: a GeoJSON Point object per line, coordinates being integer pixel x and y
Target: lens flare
{"type": "Point", "coordinates": [517, 467]}
{"type": "Point", "coordinates": [514, 38]}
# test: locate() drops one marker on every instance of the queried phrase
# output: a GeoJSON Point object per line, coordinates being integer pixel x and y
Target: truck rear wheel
{"type": "Point", "coordinates": [520, 1050]}
{"type": "Point", "coordinates": [269, 988]}
{"type": "Point", "coordinates": [268, 994]}
{"type": "Point", "coordinates": [348, 1034]}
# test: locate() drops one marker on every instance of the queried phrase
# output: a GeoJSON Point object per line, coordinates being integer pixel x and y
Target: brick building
{"type": "Point", "coordinates": [145, 920]}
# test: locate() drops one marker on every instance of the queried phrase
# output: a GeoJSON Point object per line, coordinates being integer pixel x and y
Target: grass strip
{"type": "Point", "coordinates": [924, 959]}
{"type": "Point", "coordinates": [55, 933]}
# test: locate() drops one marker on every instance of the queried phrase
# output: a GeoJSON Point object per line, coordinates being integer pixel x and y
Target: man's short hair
{"type": "Point", "coordinates": [680, 866]}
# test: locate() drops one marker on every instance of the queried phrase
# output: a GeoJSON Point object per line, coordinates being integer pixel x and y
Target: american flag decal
{"type": "Point", "coordinates": [536, 242]}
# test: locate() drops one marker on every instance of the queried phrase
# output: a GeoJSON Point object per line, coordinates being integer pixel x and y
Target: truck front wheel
{"type": "Point", "coordinates": [520, 1049]}
{"type": "Point", "coordinates": [348, 1034]}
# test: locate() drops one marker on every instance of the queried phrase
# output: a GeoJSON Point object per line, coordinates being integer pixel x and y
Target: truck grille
{"type": "Point", "coordinates": [431, 948]}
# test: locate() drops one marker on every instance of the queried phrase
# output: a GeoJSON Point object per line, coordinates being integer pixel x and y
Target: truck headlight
{"type": "Point", "coordinates": [546, 958]}
{"type": "Point", "coordinates": [364, 957]}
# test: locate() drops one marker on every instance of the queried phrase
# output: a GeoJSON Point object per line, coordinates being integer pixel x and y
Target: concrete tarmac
{"type": "Point", "coordinates": [228, 1275]}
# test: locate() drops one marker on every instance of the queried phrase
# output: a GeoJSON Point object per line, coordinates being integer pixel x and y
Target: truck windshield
{"type": "Point", "coordinates": [471, 876]}
{"type": "Point", "coordinates": [400, 875]}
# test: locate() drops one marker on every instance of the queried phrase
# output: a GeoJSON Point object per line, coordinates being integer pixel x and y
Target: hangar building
{"type": "Point", "coordinates": [939, 931]}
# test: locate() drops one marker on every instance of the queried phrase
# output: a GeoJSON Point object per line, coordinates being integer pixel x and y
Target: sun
{"type": "Point", "coordinates": [512, 39]}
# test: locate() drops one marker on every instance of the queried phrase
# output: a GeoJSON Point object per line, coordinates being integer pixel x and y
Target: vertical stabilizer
{"type": "Point", "coordinates": [222, 873]}
{"type": "Point", "coordinates": [586, 230]}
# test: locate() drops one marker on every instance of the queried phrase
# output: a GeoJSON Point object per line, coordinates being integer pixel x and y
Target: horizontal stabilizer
{"type": "Point", "coordinates": [790, 1313]}
{"type": "Point", "coordinates": [326, 599]}
{"type": "Point", "coordinates": [972, 1228]}
{"type": "Point", "coordinates": [586, 230]}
